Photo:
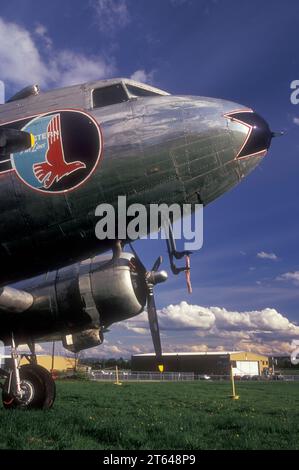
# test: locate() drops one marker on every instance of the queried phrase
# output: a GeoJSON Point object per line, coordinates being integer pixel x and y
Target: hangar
{"type": "Point", "coordinates": [211, 363]}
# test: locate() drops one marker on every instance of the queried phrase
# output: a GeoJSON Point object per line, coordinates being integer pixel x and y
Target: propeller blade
{"type": "Point", "coordinates": [157, 263]}
{"type": "Point", "coordinates": [152, 278]}
{"type": "Point", "coordinates": [154, 327]}
{"type": "Point", "coordinates": [139, 263]}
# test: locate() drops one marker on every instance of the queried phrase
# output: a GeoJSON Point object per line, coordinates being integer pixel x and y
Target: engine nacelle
{"type": "Point", "coordinates": [87, 296]}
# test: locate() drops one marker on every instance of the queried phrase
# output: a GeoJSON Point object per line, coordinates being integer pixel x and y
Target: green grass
{"type": "Point", "coordinates": [188, 416]}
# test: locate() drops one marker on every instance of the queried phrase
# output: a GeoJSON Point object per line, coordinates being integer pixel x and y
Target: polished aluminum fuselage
{"type": "Point", "coordinates": [157, 149]}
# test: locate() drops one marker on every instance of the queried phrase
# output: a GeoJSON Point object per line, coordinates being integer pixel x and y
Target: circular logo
{"type": "Point", "coordinates": [67, 149]}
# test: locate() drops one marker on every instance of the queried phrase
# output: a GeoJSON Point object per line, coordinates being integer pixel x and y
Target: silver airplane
{"type": "Point", "coordinates": [62, 153]}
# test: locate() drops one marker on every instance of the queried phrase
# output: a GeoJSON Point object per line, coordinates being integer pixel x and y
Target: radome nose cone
{"type": "Point", "coordinates": [251, 131]}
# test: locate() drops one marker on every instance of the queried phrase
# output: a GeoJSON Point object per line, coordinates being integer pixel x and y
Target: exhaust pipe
{"type": "Point", "coordinates": [14, 300]}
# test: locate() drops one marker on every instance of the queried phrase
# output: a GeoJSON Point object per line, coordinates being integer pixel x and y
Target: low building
{"type": "Point", "coordinates": [61, 363]}
{"type": "Point", "coordinates": [211, 363]}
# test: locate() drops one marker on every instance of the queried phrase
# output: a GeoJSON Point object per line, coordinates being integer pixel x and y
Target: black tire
{"type": "Point", "coordinates": [50, 387]}
{"type": "Point", "coordinates": [39, 386]}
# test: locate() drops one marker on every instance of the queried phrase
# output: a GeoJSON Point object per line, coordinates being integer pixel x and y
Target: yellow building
{"type": "Point", "coordinates": [247, 363]}
{"type": "Point", "coordinates": [61, 363]}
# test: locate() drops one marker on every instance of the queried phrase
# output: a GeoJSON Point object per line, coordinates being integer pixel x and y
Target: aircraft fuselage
{"type": "Point", "coordinates": [159, 149]}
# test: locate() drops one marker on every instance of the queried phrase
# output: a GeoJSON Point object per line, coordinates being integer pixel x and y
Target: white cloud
{"type": "Point", "coordinates": [186, 327]}
{"type": "Point", "coordinates": [30, 57]}
{"type": "Point", "coordinates": [39, 349]}
{"type": "Point", "coordinates": [142, 76]}
{"type": "Point", "coordinates": [22, 63]}
{"type": "Point", "coordinates": [296, 121]}
{"type": "Point", "coordinates": [263, 320]}
{"type": "Point", "coordinates": [135, 329]}
{"type": "Point", "coordinates": [264, 255]}
{"type": "Point", "coordinates": [185, 316]}
{"type": "Point", "coordinates": [176, 317]}
{"type": "Point", "coordinates": [291, 276]}
{"type": "Point", "coordinates": [20, 60]}
{"type": "Point", "coordinates": [263, 331]}
{"type": "Point", "coordinates": [69, 68]}
{"type": "Point", "coordinates": [111, 14]}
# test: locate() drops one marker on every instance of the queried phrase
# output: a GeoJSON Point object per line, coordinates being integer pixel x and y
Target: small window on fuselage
{"type": "Point", "coordinates": [106, 96]}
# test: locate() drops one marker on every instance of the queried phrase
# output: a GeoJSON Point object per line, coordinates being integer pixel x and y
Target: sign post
{"type": "Point", "coordinates": [117, 377]}
{"type": "Point", "coordinates": [233, 396]}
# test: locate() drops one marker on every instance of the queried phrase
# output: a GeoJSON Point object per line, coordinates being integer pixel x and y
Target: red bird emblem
{"type": "Point", "coordinates": [55, 167]}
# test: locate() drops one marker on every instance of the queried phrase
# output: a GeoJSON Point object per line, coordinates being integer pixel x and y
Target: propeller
{"type": "Point", "coordinates": [151, 278]}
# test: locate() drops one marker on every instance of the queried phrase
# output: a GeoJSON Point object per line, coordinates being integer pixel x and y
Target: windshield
{"type": "Point", "coordinates": [139, 92]}
{"type": "Point", "coordinates": [106, 96]}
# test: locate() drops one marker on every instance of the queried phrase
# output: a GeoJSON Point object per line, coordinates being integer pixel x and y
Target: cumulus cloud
{"type": "Point", "coordinates": [186, 327]}
{"type": "Point", "coordinates": [69, 68]}
{"type": "Point", "coordinates": [266, 320]}
{"type": "Point", "coordinates": [176, 317]}
{"type": "Point", "coordinates": [264, 255]}
{"type": "Point", "coordinates": [20, 60]}
{"type": "Point", "coordinates": [111, 14]}
{"type": "Point", "coordinates": [296, 121]}
{"type": "Point", "coordinates": [184, 316]}
{"type": "Point", "coordinates": [291, 276]}
{"type": "Point", "coordinates": [219, 328]}
{"type": "Point", "coordinates": [23, 61]}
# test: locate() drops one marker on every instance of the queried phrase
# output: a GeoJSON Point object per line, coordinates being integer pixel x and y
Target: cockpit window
{"type": "Point", "coordinates": [140, 92]}
{"type": "Point", "coordinates": [109, 95]}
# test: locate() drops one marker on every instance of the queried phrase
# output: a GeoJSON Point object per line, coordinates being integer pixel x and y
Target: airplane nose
{"type": "Point", "coordinates": [251, 133]}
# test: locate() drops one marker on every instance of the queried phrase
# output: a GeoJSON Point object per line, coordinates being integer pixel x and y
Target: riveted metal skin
{"type": "Point", "coordinates": [155, 149]}
{"type": "Point", "coordinates": [84, 296]}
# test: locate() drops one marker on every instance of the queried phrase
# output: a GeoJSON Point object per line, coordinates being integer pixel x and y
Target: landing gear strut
{"type": "Point", "coordinates": [29, 386]}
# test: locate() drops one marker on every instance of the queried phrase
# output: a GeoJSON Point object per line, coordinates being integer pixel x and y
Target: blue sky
{"type": "Point", "coordinates": [244, 51]}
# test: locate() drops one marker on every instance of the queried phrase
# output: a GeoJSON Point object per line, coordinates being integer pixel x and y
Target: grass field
{"type": "Point", "coordinates": [188, 416]}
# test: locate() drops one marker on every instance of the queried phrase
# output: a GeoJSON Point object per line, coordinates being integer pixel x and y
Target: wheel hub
{"type": "Point", "coordinates": [27, 393]}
